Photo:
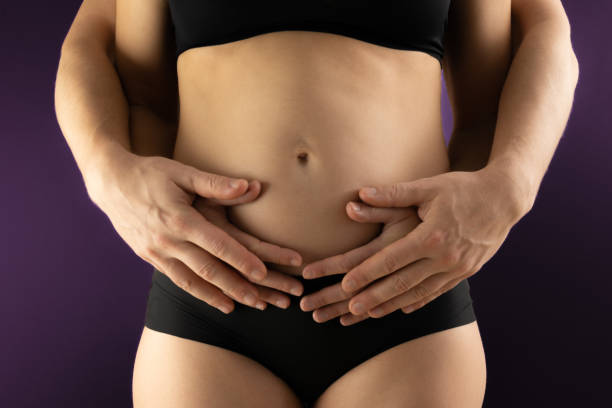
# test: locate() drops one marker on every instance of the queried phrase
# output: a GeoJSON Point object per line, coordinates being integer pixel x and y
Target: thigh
{"type": "Point", "coordinates": [439, 370]}
{"type": "Point", "coordinates": [171, 371]}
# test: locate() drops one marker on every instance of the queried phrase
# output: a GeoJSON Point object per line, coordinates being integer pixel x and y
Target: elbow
{"type": "Point", "coordinates": [575, 67]}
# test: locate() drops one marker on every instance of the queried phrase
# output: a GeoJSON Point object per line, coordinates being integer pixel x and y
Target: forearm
{"type": "Point", "coordinates": [534, 107]}
{"type": "Point", "coordinates": [96, 120]}
{"type": "Point", "coordinates": [91, 110]}
{"type": "Point", "coordinates": [468, 149]}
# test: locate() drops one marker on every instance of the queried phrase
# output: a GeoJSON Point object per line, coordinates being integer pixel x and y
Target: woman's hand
{"type": "Point", "coordinates": [217, 215]}
{"type": "Point", "coordinates": [148, 199]}
{"type": "Point", "coordinates": [466, 218]}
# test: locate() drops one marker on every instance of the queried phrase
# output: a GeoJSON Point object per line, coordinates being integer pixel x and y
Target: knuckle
{"type": "Point", "coordinates": [207, 271]}
{"type": "Point", "coordinates": [435, 239]}
{"type": "Point", "coordinates": [178, 221]}
{"type": "Point", "coordinates": [162, 240]}
{"type": "Point", "coordinates": [421, 291]}
{"type": "Point", "coordinates": [394, 190]}
{"type": "Point", "coordinates": [184, 283]}
{"type": "Point", "coordinates": [400, 284]}
{"type": "Point", "coordinates": [147, 252]}
{"type": "Point", "coordinates": [214, 182]}
{"type": "Point", "coordinates": [217, 247]}
{"type": "Point", "coordinates": [390, 262]}
{"type": "Point", "coordinates": [344, 263]}
{"type": "Point", "coordinates": [451, 257]}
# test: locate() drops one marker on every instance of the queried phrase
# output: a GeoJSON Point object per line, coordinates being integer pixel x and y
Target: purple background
{"type": "Point", "coordinates": [73, 293]}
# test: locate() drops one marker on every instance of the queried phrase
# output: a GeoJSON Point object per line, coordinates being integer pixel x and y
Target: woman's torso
{"type": "Point", "coordinates": [314, 117]}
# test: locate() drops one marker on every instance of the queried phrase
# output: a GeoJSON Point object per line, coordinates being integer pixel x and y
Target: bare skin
{"type": "Point", "coordinates": [285, 109]}
{"type": "Point", "coordinates": [307, 132]}
{"type": "Point", "coordinates": [342, 390]}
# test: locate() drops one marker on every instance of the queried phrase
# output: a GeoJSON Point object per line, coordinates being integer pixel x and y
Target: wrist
{"type": "Point", "coordinates": [516, 182]}
{"type": "Point", "coordinates": [103, 168]}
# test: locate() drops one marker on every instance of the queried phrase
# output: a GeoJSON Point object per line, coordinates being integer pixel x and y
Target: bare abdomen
{"type": "Point", "coordinates": [313, 124]}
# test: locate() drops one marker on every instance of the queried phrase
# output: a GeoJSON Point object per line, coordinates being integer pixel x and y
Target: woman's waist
{"type": "Point", "coordinates": [307, 183]}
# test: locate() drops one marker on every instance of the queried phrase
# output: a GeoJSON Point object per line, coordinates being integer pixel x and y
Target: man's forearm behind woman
{"type": "Point", "coordinates": [94, 115]}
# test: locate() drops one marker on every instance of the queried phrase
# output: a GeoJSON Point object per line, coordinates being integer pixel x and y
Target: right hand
{"type": "Point", "coordinates": [149, 201]}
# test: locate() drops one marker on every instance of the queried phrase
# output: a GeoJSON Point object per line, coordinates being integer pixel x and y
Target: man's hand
{"type": "Point", "coordinates": [397, 223]}
{"type": "Point", "coordinates": [466, 218]}
{"type": "Point", "coordinates": [149, 201]}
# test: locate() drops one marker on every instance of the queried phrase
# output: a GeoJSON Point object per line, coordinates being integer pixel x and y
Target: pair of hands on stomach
{"type": "Point", "coordinates": [153, 204]}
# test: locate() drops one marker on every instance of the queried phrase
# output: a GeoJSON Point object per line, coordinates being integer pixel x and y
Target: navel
{"type": "Point", "coordinates": [302, 157]}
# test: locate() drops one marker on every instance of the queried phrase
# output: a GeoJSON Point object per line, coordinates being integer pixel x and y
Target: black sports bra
{"type": "Point", "coordinates": [401, 24]}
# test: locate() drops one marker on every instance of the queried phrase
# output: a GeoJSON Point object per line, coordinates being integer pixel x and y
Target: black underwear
{"type": "Point", "coordinates": [307, 355]}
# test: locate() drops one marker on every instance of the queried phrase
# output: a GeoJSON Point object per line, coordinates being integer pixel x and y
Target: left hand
{"type": "Point", "coordinates": [466, 218]}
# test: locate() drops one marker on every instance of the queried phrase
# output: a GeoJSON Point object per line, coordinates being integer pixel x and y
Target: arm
{"type": "Point", "coordinates": [466, 213]}
{"type": "Point", "coordinates": [91, 107]}
{"type": "Point", "coordinates": [518, 139]}
{"type": "Point", "coordinates": [537, 97]}
{"type": "Point", "coordinates": [476, 60]}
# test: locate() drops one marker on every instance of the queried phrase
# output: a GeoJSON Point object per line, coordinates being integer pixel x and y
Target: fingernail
{"type": "Point", "coordinates": [351, 285]}
{"type": "Point", "coordinates": [295, 262]}
{"type": "Point", "coordinates": [250, 299]}
{"type": "Point", "coordinates": [225, 309]}
{"type": "Point", "coordinates": [282, 303]}
{"type": "Point", "coordinates": [257, 274]}
{"type": "Point", "coordinates": [260, 305]}
{"type": "Point", "coordinates": [376, 312]}
{"type": "Point", "coordinates": [296, 291]}
{"type": "Point", "coordinates": [359, 308]}
{"type": "Point", "coordinates": [308, 273]}
{"type": "Point", "coordinates": [356, 207]}
{"type": "Point", "coordinates": [371, 191]}
{"type": "Point", "coordinates": [407, 309]}
{"type": "Point", "coordinates": [235, 183]}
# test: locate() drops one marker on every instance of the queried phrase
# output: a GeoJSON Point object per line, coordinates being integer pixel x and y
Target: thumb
{"type": "Point", "coordinates": [364, 213]}
{"type": "Point", "coordinates": [402, 194]}
{"type": "Point", "coordinates": [207, 184]}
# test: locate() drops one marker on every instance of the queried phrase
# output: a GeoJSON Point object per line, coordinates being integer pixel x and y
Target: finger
{"type": "Point", "coordinates": [427, 289]}
{"type": "Point", "coordinates": [207, 184]}
{"type": "Point", "coordinates": [204, 234]}
{"type": "Point", "coordinates": [393, 285]}
{"type": "Point", "coordinates": [392, 257]}
{"type": "Point", "coordinates": [342, 263]}
{"type": "Point", "coordinates": [210, 269]}
{"type": "Point", "coordinates": [283, 282]}
{"type": "Point", "coordinates": [273, 297]}
{"type": "Point", "coordinates": [349, 319]}
{"type": "Point", "coordinates": [184, 278]}
{"type": "Point", "coordinates": [402, 194]}
{"type": "Point", "coordinates": [328, 295]}
{"type": "Point", "coordinates": [262, 306]}
{"type": "Point", "coordinates": [329, 312]}
{"type": "Point", "coordinates": [450, 285]}
{"type": "Point", "coordinates": [254, 187]}
{"type": "Point", "coordinates": [362, 212]}
{"type": "Point", "coordinates": [266, 251]}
